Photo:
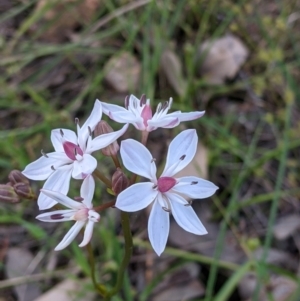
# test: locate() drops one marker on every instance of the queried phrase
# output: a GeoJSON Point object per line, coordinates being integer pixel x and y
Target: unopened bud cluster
{"type": "Point", "coordinates": [17, 188]}
{"type": "Point", "coordinates": [119, 181]}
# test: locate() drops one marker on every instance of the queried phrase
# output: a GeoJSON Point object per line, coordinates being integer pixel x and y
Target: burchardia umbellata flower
{"type": "Point", "coordinates": [82, 212]}
{"type": "Point", "coordinates": [139, 113]}
{"type": "Point", "coordinates": [166, 192]}
{"type": "Point", "coordinates": [71, 158]}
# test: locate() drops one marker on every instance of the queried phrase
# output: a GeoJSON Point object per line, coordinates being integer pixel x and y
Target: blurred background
{"type": "Point", "coordinates": [238, 61]}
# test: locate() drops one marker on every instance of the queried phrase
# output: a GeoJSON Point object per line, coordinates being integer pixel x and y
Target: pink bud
{"type": "Point", "coordinates": [16, 176]}
{"type": "Point", "coordinates": [104, 128]}
{"type": "Point", "coordinates": [24, 191]}
{"type": "Point", "coordinates": [119, 181]}
{"type": "Point", "coordinates": [8, 194]}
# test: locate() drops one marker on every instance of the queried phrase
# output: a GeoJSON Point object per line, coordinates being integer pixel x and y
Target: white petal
{"type": "Point", "coordinates": [91, 123]}
{"type": "Point", "coordinates": [41, 168]}
{"type": "Point", "coordinates": [57, 138]}
{"type": "Point", "coordinates": [62, 199]}
{"type": "Point", "coordinates": [158, 228]}
{"type": "Point", "coordinates": [69, 237]}
{"type": "Point", "coordinates": [58, 181]}
{"type": "Point", "coordinates": [87, 191]}
{"type": "Point", "coordinates": [195, 187]}
{"type": "Point", "coordinates": [88, 232]}
{"type": "Point", "coordinates": [187, 116]}
{"type": "Point", "coordinates": [107, 108]}
{"type": "Point", "coordinates": [50, 216]}
{"type": "Point", "coordinates": [125, 117]}
{"type": "Point", "coordinates": [134, 103]}
{"type": "Point", "coordinates": [184, 145]}
{"type": "Point", "coordinates": [163, 122]}
{"type": "Point", "coordinates": [137, 159]}
{"type": "Point", "coordinates": [136, 197]}
{"type": "Point", "coordinates": [105, 140]}
{"type": "Point", "coordinates": [84, 167]}
{"type": "Point", "coordinates": [186, 217]}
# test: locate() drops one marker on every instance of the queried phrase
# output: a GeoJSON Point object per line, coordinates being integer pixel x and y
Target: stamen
{"type": "Point", "coordinates": [143, 100]}
{"type": "Point", "coordinates": [90, 130]}
{"type": "Point", "coordinates": [170, 102]}
{"type": "Point", "coordinates": [126, 102]}
{"type": "Point", "coordinates": [153, 160]}
{"type": "Point", "coordinates": [158, 108]}
{"type": "Point", "coordinates": [44, 154]}
{"type": "Point", "coordinates": [173, 167]}
{"type": "Point", "coordinates": [165, 105]}
{"type": "Point", "coordinates": [194, 182]}
{"type": "Point", "coordinates": [61, 132]}
{"type": "Point", "coordinates": [165, 203]}
{"type": "Point", "coordinates": [78, 198]}
{"type": "Point", "coordinates": [154, 186]}
{"type": "Point", "coordinates": [52, 167]}
{"type": "Point", "coordinates": [135, 104]}
{"type": "Point", "coordinates": [76, 121]}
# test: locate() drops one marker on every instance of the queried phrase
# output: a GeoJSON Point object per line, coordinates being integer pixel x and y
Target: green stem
{"type": "Point", "coordinates": [98, 174]}
{"type": "Point", "coordinates": [99, 287]}
{"type": "Point", "coordinates": [128, 251]}
{"type": "Point", "coordinates": [116, 161]}
{"type": "Point", "coordinates": [104, 206]}
{"type": "Point", "coordinates": [133, 179]}
{"type": "Point", "coordinates": [261, 265]}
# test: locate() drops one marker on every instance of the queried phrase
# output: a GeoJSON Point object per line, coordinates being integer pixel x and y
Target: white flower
{"type": "Point", "coordinates": [81, 212]}
{"type": "Point", "coordinates": [166, 191]}
{"type": "Point", "coordinates": [139, 113]}
{"type": "Point", "coordinates": [72, 156]}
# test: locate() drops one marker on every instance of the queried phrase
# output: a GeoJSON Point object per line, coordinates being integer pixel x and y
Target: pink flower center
{"type": "Point", "coordinates": [164, 184]}
{"type": "Point", "coordinates": [72, 150]}
{"type": "Point", "coordinates": [81, 215]}
{"type": "Point", "coordinates": [146, 114]}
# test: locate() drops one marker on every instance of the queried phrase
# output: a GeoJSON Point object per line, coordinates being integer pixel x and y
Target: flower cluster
{"type": "Point", "coordinates": [72, 158]}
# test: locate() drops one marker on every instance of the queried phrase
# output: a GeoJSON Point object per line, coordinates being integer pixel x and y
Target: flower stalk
{"type": "Point", "coordinates": [98, 174]}
{"type": "Point", "coordinates": [116, 161]}
{"type": "Point", "coordinates": [99, 287]}
{"type": "Point", "coordinates": [144, 139]}
{"type": "Point", "coordinates": [127, 255]}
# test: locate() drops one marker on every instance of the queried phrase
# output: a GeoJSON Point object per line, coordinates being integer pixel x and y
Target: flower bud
{"type": "Point", "coordinates": [24, 191]}
{"type": "Point", "coordinates": [119, 181]}
{"type": "Point", "coordinates": [8, 194]}
{"type": "Point", "coordinates": [15, 176]}
{"type": "Point", "coordinates": [104, 128]}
